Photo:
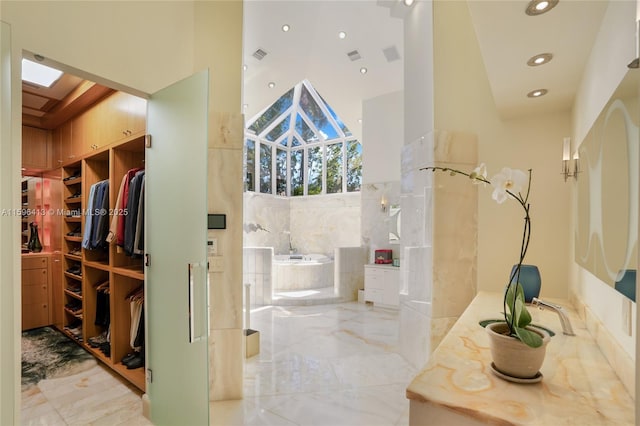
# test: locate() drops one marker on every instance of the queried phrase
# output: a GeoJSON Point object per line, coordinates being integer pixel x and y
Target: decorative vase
{"type": "Point", "coordinates": [513, 358]}
{"type": "Point", "coordinates": [529, 280]}
{"type": "Point", "coordinates": [34, 244]}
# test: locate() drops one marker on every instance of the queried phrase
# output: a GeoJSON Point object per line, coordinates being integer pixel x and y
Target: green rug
{"type": "Point", "coordinates": [47, 354]}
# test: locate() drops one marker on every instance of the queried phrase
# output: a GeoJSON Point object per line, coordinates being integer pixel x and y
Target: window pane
{"type": "Point", "coordinates": [277, 131]}
{"type": "Point", "coordinates": [297, 172]}
{"type": "Point", "coordinates": [344, 128]}
{"type": "Point", "coordinates": [354, 166]}
{"type": "Point", "coordinates": [295, 142]}
{"type": "Point", "coordinates": [334, 168]}
{"type": "Point", "coordinates": [315, 114]}
{"type": "Point", "coordinates": [249, 165]}
{"type": "Point", "coordinates": [281, 172]}
{"type": "Point", "coordinates": [265, 168]}
{"type": "Point", "coordinates": [315, 171]}
{"type": "Point", "coordinates": [272, 113]}
{"type": "Point", "coordinates": [305, 131]}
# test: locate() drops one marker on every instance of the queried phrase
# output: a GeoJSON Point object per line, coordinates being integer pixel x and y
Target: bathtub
{"type": "Point", "coordinates": [301, 271]}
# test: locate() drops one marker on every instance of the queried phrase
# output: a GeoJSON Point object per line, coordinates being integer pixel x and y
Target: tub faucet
{"type": "Point", "coordinates": [564, 319]}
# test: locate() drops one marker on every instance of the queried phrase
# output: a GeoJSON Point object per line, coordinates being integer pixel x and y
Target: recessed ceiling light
{"type": "Point", "coordinates": [538, 7]}
{"type": "Point", "coordinates": [286, 28]}
{"type": "Point", "coordinates": [540, 59]}
{"type": "Point", "coordinates": [39, 74]}
{"type": "Point", "coordinates": [342, 35]}
{"type": "Point", "coordinates": [271, 85]}
{"type": "Point", "coordinates": [407, 2]}
{"type": "Point", "coordinates": [363, 70]}
{"type": "Point", "coordinates": [537, 93]}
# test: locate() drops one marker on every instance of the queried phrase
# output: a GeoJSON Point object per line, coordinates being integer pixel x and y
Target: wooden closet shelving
{"type": "Point", "coordinates": [100, 144]}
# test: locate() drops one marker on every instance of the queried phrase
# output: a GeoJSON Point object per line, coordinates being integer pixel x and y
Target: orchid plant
{"type": "Point", "coordinates": [515, 184]}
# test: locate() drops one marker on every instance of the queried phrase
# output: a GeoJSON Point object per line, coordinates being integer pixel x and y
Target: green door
{"type": "Point", "coordinates": [176, 240]}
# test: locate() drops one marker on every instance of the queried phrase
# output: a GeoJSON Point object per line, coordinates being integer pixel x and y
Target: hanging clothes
{"type": "Point", "coordinates": [96, 218]}
{"type": "Point", "coordinates": [133, 208]}
{"type": "Point", "coordinates": [124, 206]}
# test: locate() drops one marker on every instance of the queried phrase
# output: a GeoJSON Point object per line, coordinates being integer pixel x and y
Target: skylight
{"type": "Point", "coordinates": [39, 74]}
{"type": "Point", "coordinates": [299, 146]}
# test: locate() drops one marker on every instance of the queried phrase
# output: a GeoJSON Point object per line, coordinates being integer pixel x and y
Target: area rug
{"type": "Point", "coordinates": [48, 354]}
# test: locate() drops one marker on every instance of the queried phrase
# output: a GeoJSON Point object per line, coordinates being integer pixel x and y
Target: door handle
{"type": "Point", "coordinates": [198, 321]}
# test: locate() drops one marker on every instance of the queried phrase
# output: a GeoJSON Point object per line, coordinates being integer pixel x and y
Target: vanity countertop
{"type": "Point", "coordinates": [578, 386]}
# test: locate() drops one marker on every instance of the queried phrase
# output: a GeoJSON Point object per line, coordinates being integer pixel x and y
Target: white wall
{"type": "Point", "coordinates": [382, 137]}
{"type": "Point", "coordinates": [613, 50]}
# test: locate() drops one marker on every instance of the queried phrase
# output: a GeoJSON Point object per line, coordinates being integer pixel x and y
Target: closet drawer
{"type": "Point", "coordinates": [34, 262]}
{"type": "Point", "coordinates": [34, 277]}
{"type": "Point", "coordinates": [32, 294]}
{"type": "Point", "coordinates": [35, 315]}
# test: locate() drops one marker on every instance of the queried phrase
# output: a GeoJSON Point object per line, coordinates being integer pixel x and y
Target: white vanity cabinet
{"type": "Point", "coordinates": [382, 285]}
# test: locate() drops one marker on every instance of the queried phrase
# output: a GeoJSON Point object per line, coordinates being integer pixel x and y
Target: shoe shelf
{"type": "Point", "coordinates": [131, 271]}
{"type": "Point", "coordinates": [73, 239]}
{"type": "Point", "coordinates": [73, 294]}
{"type": "Point", "coordinates": [135, 376]}
{"type": "Point", "coordinates": [73, 276]}
{"type": "Point", "coordinates": [77, 315]}
{"type": "Point", "coordinates": [73, 200]}
{"type": "Point", "coordinates": [76, 181]}
{"type": "Point", "coordinates": [73, 219]}
{"type": "Point", "coordinates": [73, 257]}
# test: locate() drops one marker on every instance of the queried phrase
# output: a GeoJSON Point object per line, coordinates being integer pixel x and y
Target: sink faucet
{"type": "Point", "coordinates": [564, 320]}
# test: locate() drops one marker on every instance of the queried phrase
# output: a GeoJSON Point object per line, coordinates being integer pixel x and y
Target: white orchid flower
{"type": "Point", "coordinates": [478, 174]}
{"type": "Point", "coordinates": [511, 180]}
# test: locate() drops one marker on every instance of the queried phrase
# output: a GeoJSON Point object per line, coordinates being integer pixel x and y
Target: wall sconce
{"type": "Point", "coordinates": [567, 171]}
{"type": "Point", "coordinates": [383, 204]}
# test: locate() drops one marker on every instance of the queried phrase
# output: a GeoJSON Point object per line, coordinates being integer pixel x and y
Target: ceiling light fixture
{"type": "Point", "coordinates": [39, 74]}
{"type": "Point", "coordinates": [540, 59]}
{"type": "Point", "coordinates": [538, 7]}
{"type": "Point", "coordinates": [407, 2]}
{"type": "Point", "coordinates": [286, 28]}
{"type": "Point", "coordinates": [342, 35]}
{"type": "Point", "coordinates": [537, 93]}
{"type": "Point", "coordinates": [271, 85]}
{"type": "Point", "coordinates": [363, 70]}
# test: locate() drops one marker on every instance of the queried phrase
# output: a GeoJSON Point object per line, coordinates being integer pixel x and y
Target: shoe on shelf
{"type": "Point", "coordinates": [135, 362]}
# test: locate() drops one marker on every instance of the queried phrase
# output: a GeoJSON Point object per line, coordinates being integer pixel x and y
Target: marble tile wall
{"type": "Point", "coordinates": [375, 223]}
{"type": "Point", "coordinates": [225, 157]}
{"type": "Point", "coordinates": [315, 224]}
{"type": "Point", "coordinates": [349, 271]}
{"type": "Point", "coordinates": [440, 225]}
{"type": "Point", "coordinates": [257, 269]}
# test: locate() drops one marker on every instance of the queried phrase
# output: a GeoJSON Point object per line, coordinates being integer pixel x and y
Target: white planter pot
{"type": "Point", "coordinates": [512, 357]}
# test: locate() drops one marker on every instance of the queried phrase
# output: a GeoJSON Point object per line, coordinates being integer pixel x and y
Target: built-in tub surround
{"type": "Point", "coordinates": [345, 273]}
{"type": "Point", "coordinates": [457, 385]}
{"type": "Point", "coordinates": [301, 272]}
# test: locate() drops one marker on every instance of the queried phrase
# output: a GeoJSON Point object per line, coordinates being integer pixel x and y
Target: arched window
{"type": "Point", "coordinates": [299, 146]}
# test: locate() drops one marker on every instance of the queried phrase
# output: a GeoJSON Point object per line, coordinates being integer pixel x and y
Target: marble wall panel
{"type": "Point", "coordinates": [349, 271]}
{"type": "Point", "coordinates": [226, 362]}
{"type": "Point", "coordinates": [415, 341]}
{"type": "Point", "coordinates": [266, 222]}
{"type": "Point", "coordinates": [257, 272]}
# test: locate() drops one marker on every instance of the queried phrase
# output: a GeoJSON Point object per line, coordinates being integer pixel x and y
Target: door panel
{"type": "Point", "coordinates": [176, 240]}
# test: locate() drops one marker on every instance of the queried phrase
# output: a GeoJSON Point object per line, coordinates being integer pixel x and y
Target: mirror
{"type": "Point", "coordinates": [394, 224]}
{"type": "Point", "coordinates": [31, 196]}
{"type": "Point", "coordinates": [607, 203]}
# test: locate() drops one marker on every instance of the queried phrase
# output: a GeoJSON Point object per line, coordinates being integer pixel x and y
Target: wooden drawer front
{"type": "Point", "coordinates": [32, 294]}
{"type": "Point", "coordinates": [34, 262]}
{"type": "Point", "coordinates": [34, 277]}
{"type": "Point", "coordinates": [35, 315]}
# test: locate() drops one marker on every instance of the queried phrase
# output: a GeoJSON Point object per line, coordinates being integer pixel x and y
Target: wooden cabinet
{"type": "Point", "coordinates": [382, 285]}
{"type": "Point", "coordinates": [117, 118]}
{"type": "Point", "coordinates": [36, 291]}
{"type": "Point", "coordinates": [36, 148]}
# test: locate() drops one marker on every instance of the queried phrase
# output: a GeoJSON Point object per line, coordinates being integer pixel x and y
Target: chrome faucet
{"type": "Point", "coordinates": [564, 319]}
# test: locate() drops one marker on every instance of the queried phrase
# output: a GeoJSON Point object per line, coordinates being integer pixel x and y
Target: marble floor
{"type": "Point", "coordinates": [333, 365]}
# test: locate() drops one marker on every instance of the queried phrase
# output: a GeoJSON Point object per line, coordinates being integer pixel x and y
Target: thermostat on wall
{"type": "Point", "coordinates": [217, 221]}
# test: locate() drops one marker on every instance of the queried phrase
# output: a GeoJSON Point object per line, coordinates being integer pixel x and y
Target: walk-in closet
{"type": "Point", "coordinates": [83, 202]}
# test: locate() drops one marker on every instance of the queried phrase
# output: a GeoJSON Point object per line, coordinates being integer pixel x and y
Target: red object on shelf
{"type": "Point", "coordinates": [383, 256]}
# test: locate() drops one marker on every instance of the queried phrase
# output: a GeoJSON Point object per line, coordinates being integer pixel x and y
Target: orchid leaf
{"type": "Point", "coordinates": [523, 317]}
{"type": "Point", "coordinates": [529, 338]}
